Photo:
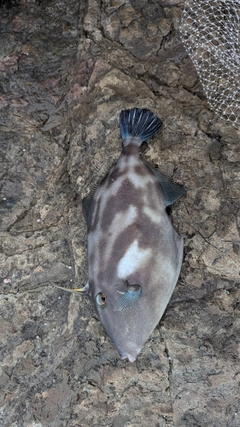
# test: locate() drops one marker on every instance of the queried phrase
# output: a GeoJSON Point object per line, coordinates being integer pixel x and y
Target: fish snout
{"type": "Point", "coordinates": [131, 356]}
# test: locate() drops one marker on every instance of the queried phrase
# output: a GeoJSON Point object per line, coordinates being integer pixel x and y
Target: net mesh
{"type": "Point", "coordinates": [210, 30]}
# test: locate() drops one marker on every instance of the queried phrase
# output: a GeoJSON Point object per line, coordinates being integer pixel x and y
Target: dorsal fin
{"type": "Point", "coordinates": [172, 191]}
{"type": "Point", "coordinates": [83, 291]}
{"type": "Point", "coordinates": [86, 202]}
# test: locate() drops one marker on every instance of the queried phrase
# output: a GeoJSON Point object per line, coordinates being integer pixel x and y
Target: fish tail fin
{"type": "Point", "coordinates": [139, 122]}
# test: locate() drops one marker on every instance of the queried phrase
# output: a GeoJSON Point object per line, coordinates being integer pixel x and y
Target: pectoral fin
{"type": "Point", "coordinates": [129, 298]}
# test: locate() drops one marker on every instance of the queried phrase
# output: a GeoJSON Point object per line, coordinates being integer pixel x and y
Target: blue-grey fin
{"type": "Point", "coordinates": [139, 122]}
{"type": "Point", "coordinates": [129, 298]}
{"type": "Point", "coordinates": [172, 191]}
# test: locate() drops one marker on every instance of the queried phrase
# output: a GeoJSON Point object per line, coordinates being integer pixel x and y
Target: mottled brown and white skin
{"type": "Point", "coordinates": [134, 253]}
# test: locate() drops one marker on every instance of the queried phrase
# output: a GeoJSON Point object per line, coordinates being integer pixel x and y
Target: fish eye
{"type": "Point", "coordinates": [101, 299]}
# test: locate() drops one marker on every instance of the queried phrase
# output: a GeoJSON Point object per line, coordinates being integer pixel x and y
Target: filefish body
{"type": "Point", "coordinates": [134, 253]}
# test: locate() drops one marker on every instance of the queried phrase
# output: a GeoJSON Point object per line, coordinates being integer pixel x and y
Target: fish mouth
{"type": "Point", "coordinates": [130, 356]}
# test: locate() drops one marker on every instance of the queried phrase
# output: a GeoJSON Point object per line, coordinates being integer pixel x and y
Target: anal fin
{"type": "Point", "coordinates": [171, 190]}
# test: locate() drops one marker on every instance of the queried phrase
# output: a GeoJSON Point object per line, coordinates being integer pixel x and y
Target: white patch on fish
{"type": "Point", "coordinates": [152, 214]}
{"type": "Point", "coordinates": [133, 259]}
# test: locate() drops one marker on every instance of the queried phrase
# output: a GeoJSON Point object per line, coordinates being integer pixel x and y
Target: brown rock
{"type": "Point", "coordinates": [67, 69]}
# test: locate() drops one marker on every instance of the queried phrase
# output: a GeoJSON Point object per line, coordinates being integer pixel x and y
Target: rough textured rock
{"type": "Point", "coordinates": [66, 71]}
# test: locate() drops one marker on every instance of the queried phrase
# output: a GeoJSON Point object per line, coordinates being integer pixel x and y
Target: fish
{"type": "Point", "coordinates": [134, 253]}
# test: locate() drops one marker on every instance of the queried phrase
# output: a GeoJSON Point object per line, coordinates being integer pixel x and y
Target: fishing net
{"type": "Point", "coordinates": [210, 30]}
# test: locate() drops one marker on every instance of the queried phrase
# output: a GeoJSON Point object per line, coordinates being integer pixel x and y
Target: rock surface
{"type": "Point", "coordinates": [67, 69]}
